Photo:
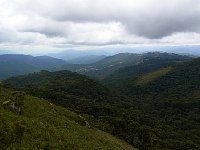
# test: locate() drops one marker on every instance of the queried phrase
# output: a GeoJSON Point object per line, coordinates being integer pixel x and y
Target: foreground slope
{"type": "Point", "coordinates": [42, 125]}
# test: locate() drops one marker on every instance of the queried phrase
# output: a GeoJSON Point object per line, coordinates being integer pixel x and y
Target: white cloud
{"type": "Point", "coordinates": [77, 23]}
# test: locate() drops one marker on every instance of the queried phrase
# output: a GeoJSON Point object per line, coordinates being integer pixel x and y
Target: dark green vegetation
{"type": "Point", "coordinates": [42, 125]}
{"type": "Point", "coordinates": [146, 63]}
{"type": "Point", "coordinates": [153, 104]}
{"type": "Point", "coordinates": [124, 64]}
{"type": "Point", "coordinates": [168, 102]}
{"type": "Point", "coordinates": [12, 65]}
{"type": "Point", "coordinates": [72, 90]}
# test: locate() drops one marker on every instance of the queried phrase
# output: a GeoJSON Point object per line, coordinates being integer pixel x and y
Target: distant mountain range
{"type": "Point", "coordinates": [109, 65]}
{"type": "Point", "coordinates": [99, 67]}
{"type": "Point", "coordinates": [14, 64]}
{"type": "Point", "coordinates": [178, 49]}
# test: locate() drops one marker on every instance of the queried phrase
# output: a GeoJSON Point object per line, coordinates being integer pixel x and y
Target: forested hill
{"type": "Point", "coordinates": [17, 64]}
{"type": "Point", "coordinates": [74, 91]}
{"type": "Point", "coordinates": [110, 66]}
{"type": "Point", "coordinates": [182, 77]}
{"type": "Point", "coordinates": [60, 81]}
{"type": "Point", "coordinates": [159, 109]}
{"type": "Point", "coordinates": [28, 122]}
{"type": "Point", "coordinates": [168, 101]}
{"type": "Point", "coordinates": [150, 62]}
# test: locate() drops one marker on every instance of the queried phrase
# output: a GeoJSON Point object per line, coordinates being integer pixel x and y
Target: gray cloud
{"type": "Point", "coordinates": [147, 18]}
{"type": "Point", "coordinates": [56, 23]}
{"type": "Point", "coordinates": [7, 35]}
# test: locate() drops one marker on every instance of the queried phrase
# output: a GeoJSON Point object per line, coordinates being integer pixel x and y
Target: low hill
{"type": "Point", "coordinates": [42, 125]}
{"type": "Point", "coordinates": [15, 64]}
{"type": "Point", "coordinates": [74, 91]}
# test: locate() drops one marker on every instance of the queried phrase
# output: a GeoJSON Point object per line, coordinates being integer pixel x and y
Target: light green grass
{"type": "Point", "coordinates": [147, 78]}
{"type": "Point", "coordinates": [46, 126]}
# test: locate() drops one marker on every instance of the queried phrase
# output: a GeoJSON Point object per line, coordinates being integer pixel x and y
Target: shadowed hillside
{"type": "Point", "coordinates": [15, 64]}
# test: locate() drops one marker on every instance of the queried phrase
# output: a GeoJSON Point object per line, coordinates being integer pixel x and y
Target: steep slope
{"type": "Point", "coordinates": [123, 64]}
{"type": "Point", "coordinates": [14, 64]}
{"type": "Point", "coordinates": [151, 76]}
{"type": "Point", "coordinates": [166, 103]}
{"type": "Point", "coordinates": [183, 76]}
{"type": "Point", "coordinates": [42, 125]}
{"type": "Point", "coordinates": [149, 62]}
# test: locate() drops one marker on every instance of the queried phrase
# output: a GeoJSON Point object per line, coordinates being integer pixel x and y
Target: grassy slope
{"type": "Point", "coordinates": [150, 77]}
{"type": "Point", "coordinates": [46, 126]}
{"type": "Point", "coordinates": [181, 80]}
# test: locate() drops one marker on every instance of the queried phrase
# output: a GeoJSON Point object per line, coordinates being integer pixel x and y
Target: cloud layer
{"type": "Point", "coordinates": [75, 23]}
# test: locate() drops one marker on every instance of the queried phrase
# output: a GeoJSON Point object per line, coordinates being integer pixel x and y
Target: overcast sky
{"type": "Point", "coordinates": [54, 25]}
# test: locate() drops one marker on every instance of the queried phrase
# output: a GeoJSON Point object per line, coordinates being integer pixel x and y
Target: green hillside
{"type": "Point", "coordinates": [150, 77]}
{"type": "Point", "coordinates": [124, 64]}
{"type": "Point", "coordinates": [106, 66]}
{"type": "Point", "coordinates": [183, 77]}
{"type": "Point", "coordinates": [168, 101]}
{"type": "Point", "coordinates": [159, 109]}
{"type": "Point", "coordinates": [74, 91]}
{"type": "Point", "coordinates": [42, 125]}
{"type": "Point", "coordinates": [149, 62]}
